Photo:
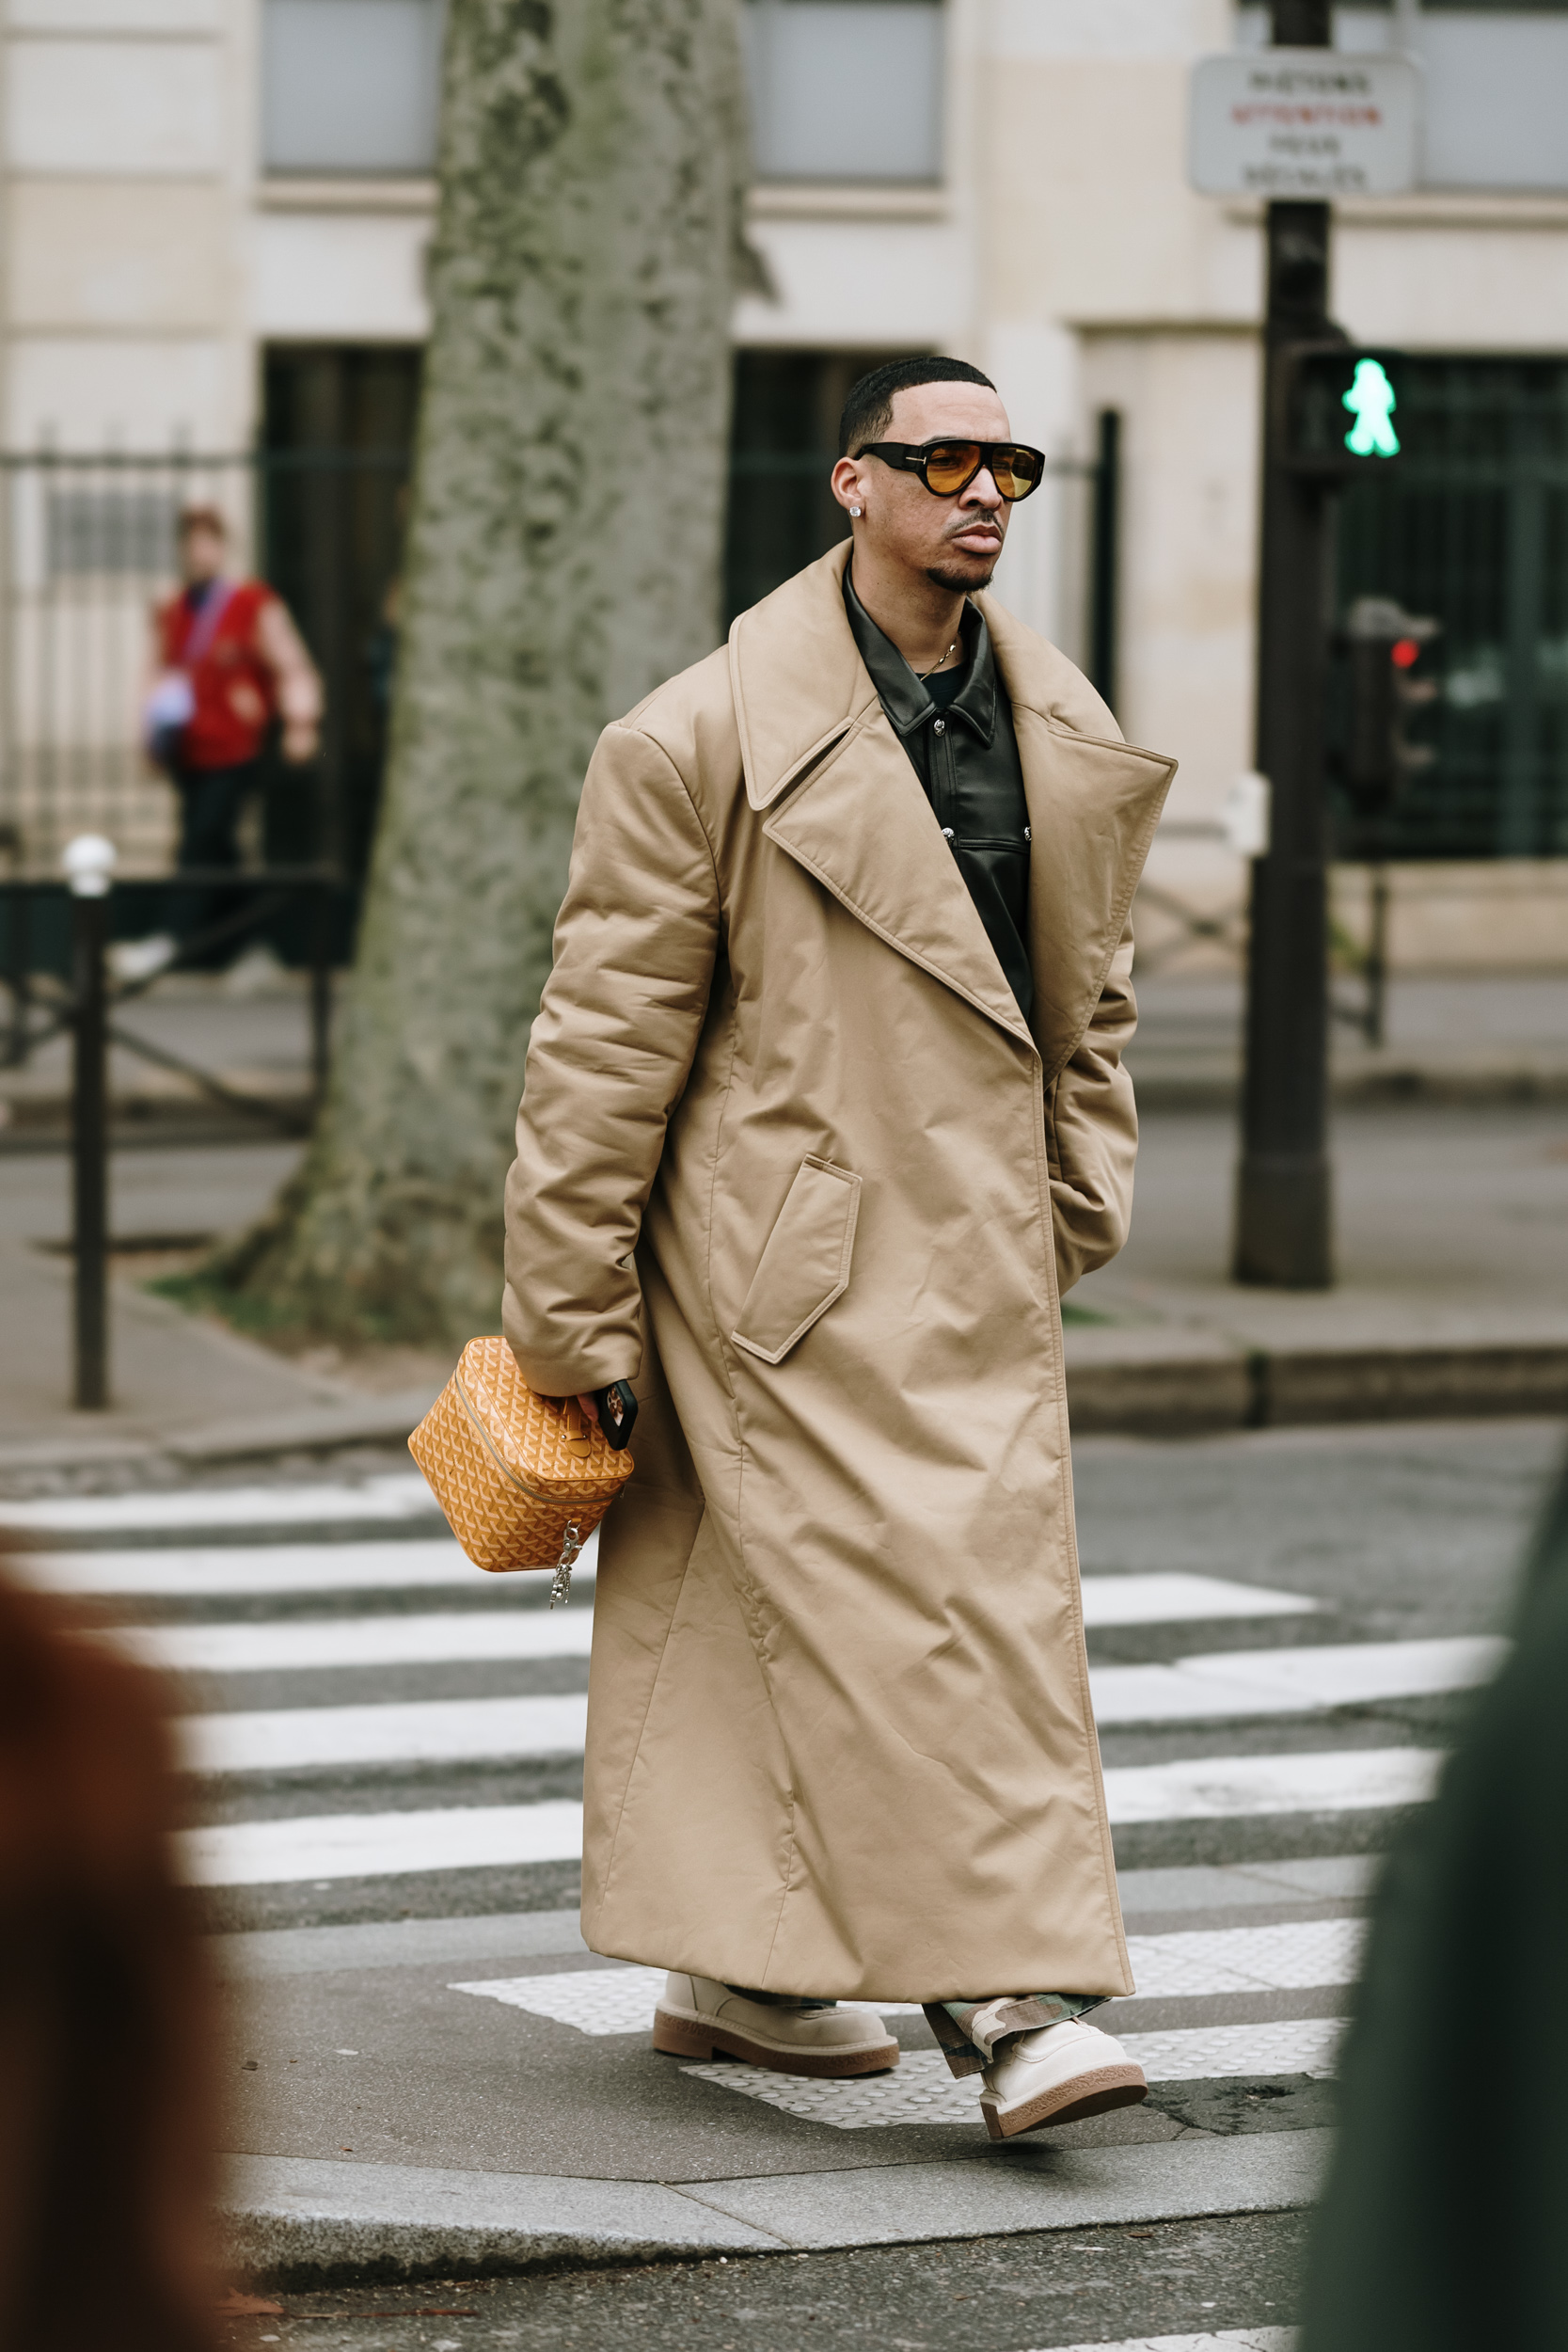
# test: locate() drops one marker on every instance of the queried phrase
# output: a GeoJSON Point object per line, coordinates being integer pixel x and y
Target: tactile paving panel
{"type": "Point", "coordinates": [1294, 2045]}
{"type": "Point", "coordinates": [603, 2000]}
{"type": "Point", "coordinates": [1247, 1960]}
{"type": "Point", "coordinates": [920, 2089]}
{"type": "Point", "coordinates": [594, 2000]}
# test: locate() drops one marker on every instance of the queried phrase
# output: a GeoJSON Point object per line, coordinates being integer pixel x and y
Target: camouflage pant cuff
{"type": "Point", "coordinates": [971, 2032]}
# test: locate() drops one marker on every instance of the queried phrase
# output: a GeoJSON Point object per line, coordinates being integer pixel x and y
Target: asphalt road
{"type": "Point", "coordinates": [1399, 1534]}
{"type": "Point", "coordinates": [1333, 1544]}
{"type": "Point", "coordinates": [1086, 2286]}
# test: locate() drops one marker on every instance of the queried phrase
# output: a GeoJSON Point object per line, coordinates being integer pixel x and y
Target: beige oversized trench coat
{"type": "Point", "coordinates": [790, 1159]}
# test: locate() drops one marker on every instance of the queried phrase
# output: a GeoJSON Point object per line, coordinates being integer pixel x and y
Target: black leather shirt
{"type": "Point", "coordinates": [965, 754]}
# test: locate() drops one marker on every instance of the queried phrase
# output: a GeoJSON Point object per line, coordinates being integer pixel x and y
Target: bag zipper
{"type": "Point", "coordinates": [555, 1502]}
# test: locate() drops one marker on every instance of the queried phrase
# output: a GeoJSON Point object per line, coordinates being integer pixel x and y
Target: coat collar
{"type": "Point", "coordinates": [902, 692]}
{"type": "Point", "coordinates": [809, 717]}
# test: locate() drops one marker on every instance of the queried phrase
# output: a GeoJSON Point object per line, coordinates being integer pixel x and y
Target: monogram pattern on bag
{"type": "Point", "coordinates": [512, 1475]}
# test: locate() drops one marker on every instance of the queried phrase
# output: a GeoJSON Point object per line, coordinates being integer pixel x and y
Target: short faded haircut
{"type": "Point", "coordinates": [868, 410]}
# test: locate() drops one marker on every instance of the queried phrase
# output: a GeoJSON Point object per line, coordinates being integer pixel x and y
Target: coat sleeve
{"type": "Point", "coordinates": [612, 1048]}
{"type": "Point", "coordinates": [1092, 1133]}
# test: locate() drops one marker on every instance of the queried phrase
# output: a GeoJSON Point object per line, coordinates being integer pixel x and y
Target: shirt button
{"type": "Point", "coordinates": [940, 727]}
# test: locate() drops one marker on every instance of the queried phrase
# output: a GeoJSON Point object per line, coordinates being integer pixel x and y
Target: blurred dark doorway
{"type": "Point", "coordinates": [1472, 527]}
{"type": "Point", "coordinates": [338, 436]}
{"type": "Point", "coordinates": [784, 441]}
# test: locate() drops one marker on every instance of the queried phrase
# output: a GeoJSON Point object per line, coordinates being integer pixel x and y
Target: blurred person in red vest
{"type": "Point", "coordinates": [107, 2091]}
{"type": "Point", "coordinates": [228, 662]}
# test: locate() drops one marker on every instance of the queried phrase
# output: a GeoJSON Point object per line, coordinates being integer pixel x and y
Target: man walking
{"type": "Point", "coordinates": [228, 662]}
{"type": "Point", "coordinates": [824, 1107]}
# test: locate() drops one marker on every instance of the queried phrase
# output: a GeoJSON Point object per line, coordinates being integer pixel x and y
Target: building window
{"type": "Point", "coordinates": [844, 89]}
{"type": "Point", "coordinates": [1472, 527]}
{"type": "Point", "coordinates": [784, 441]}
{"type": "Point", "coordinates": [351, 86]}
{"type": "Point", "coordinates": [334, 464]}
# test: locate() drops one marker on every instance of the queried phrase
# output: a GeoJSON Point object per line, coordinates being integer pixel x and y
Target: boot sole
{"type": "Point", "coordinates": [1096, 2093]}
{"type": "Point", "coordinates": [694, 2037]}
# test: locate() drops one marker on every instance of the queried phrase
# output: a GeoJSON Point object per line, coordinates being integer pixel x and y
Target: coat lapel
{"type": "Point", "coordinates": [1094, 803]}
{"type": "Point", "coordinates": [1093, 808]}
{"type": "Point", "coordinates": [856, 819]}
{"type": "Point", "coordinates": [862, 825]}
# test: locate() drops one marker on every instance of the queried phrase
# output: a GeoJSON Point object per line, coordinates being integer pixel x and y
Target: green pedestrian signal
{"type": "Point", "coordinates": [1335, 412]}
{"type": "Point", "coordinates": [1371, 402]}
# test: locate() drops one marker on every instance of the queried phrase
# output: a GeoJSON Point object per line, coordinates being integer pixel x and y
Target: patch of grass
{"type": "Point", "coordinates": [1072, 1312]}
{"type": "Point", "coordinates": [201, 1292]}
{"type": "Point", "coordinates": [206, 1289]}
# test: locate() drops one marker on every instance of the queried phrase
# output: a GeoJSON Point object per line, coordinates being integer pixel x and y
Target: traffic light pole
{"type": "Point", "coordinates": [1283, 1193]}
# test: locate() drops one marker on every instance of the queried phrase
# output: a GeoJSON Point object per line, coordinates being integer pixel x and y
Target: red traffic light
{"type": "Point", "coordinates": [1404, 653]}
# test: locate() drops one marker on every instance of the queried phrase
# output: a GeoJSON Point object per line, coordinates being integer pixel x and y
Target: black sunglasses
{"type": "Point", "coordinates": [948, 467]}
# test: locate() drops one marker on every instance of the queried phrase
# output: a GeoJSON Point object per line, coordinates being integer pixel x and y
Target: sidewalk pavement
{"type": "Point", "coordinates": [490, 2135]}
{"type": "Point", "coordinates": [1472, 1039]}
{"type": "Point", "coordinates": [1453, 1297]}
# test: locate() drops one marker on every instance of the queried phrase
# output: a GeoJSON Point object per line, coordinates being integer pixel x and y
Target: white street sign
{"type": "Point", "coordinates": [1303, 122]}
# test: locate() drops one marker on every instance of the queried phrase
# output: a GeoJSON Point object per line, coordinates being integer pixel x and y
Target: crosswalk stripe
{"type": "Point", "coordinates": [1297, 1956]}
{"type": "Point", "coordinates": [219, 1571]}
{"type": "Point", "coordinates": [423, 1731]}
{"type": "Point", "coordinates": [371, 1845]}
{"type": "Point", "coordinates": [1290, 1682]}
{"type": "Point", "coordinates": [1228, 1788]}
{"type": "Point", "coordinates": [197, 1572]}
{"type": "Point", "coordinates": [292, 1645]}
{"type": "Point", "coordinates": [298, 1645]}
{"type": "Point", "coordinates": [1230, 2339]}
{"type": "Point", "coordinates": [398, 1495]}
{"type": "Point", "coordinates": [452, 1730]}
{"type": "Point", "coordinates": [1170, 1599]}
{"type": "Point", "coordinates": [364, 1845]}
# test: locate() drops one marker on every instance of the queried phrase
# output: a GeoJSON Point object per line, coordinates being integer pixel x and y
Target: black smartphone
{"type": "Point", "coordinates": [617, 1412]}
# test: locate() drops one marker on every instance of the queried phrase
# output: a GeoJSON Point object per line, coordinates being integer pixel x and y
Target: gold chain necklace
{"type": "Point", "coordinates": [924, 674]}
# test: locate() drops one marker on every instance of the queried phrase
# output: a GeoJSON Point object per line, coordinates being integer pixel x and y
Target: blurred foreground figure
{"type": "Point", "coordinates": [1442, 2224]}
{"type": "Point", "coordinates": [105, 2113]}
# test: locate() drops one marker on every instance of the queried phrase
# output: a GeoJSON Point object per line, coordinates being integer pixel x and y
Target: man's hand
{"type": "Point", "coordinates": [301, 741]}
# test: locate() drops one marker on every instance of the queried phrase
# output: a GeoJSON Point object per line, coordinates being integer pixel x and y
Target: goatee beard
{"type": "Point", "coordinates": [961, 582]}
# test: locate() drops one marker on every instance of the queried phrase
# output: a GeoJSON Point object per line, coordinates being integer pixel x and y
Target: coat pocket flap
{"type": "Point", "coordinates": [805, 1265]}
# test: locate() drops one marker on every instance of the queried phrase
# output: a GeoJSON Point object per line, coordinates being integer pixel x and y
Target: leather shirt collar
{"type": "Point", "coordinates": [902, 695]}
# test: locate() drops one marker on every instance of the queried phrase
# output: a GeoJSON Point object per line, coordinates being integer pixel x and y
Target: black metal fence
{"type": "Point", "coordinates": [86, 554]}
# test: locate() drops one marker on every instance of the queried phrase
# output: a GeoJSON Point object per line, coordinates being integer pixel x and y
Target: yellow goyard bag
{"type": "Point", "coordinates": [523, 1478]}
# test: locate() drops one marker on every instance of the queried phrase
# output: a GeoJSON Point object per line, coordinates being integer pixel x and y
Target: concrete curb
{"type": "Point", "coordinates": [1169, 1383]}
{"type": "Point", "coordinates": [1172, 1391]}
{"type": "Point", "coordinates": [294, 2221]}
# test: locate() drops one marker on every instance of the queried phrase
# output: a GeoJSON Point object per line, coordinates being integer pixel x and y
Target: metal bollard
{"type": "Point", "coordinates": [88, 861]}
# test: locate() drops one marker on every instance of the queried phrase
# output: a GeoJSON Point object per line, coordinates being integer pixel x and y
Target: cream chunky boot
{"type": "Point", "coordinates": [699, 2019]}
{"type": "Point", "coordinates": [1057, 2075]}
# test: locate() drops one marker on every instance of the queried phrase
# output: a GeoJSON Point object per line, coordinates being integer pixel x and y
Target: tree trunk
{"type": "Point", "coordinates": [563, 559]}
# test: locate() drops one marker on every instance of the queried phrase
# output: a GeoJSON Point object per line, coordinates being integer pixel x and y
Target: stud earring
{"type": "Point", "coordinates": [854, 510]}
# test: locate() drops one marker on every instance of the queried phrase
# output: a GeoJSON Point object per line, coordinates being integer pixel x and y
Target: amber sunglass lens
{"type": "Point", "coordinates": [949, 466]}
{"type": "Point", "coordinates": [1018, 473]}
